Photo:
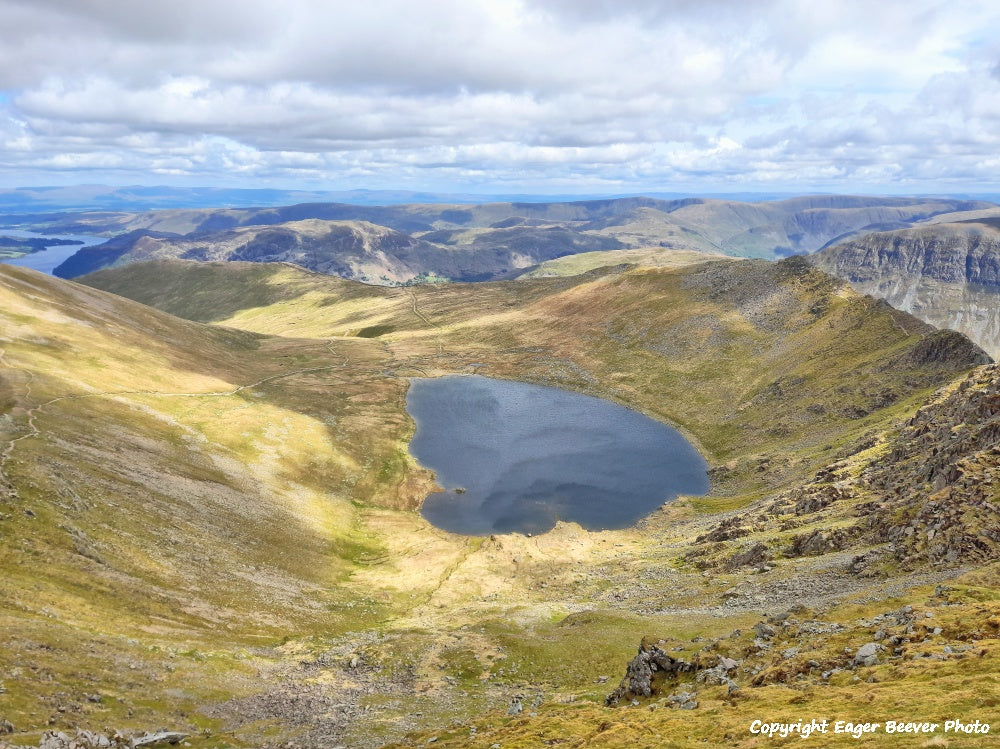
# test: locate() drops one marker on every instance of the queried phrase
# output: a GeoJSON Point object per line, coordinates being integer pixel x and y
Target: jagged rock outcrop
{"type": "Point", "coordinates": [819, 542]}
{"type": "Point", "coordinates": [928, 496]}
{"type": "Point", "coordinates": [756, 555]}
{"type": "Point", "coordinates": [939, 482]}
{"type": "Point", "coordinates": [653, 668]}
{"type": "Point", "coordinates": [646, 672]}
{"type": "Point", "coordinates": [727, 529]}
{"type": "Point", "coordinates": [946, 274]}
{"type": "Point", "coordinates": [944, 347]}
{"type": "Point", "coordinates": [934, 494]}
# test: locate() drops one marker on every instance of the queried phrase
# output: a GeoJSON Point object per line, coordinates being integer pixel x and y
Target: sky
{"type": "Point", "coordinates": [503, 96]}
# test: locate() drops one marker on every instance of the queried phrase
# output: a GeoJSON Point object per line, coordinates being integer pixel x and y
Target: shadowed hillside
{"type": "Point", "coordinates": [349, 249]}
{"type": "Point", "coordinates": [179, 484]}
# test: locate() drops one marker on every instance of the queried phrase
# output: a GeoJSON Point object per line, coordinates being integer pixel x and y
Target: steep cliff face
{"type": "Point", "coordinates": [945, 274]}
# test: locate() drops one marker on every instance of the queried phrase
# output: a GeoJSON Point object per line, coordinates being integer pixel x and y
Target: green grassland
{"type": "Point", "coordinates": [651, 257]}
{"type": "Point", "coordinates": [208, 523]}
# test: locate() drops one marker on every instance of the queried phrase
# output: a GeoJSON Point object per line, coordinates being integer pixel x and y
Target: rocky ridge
{"type": "Point", "coordinates": [947, 274]}
{"type": "Point", "coordinates": [926, 496]}
{"type": "Point", "coordinates": [938, 485]}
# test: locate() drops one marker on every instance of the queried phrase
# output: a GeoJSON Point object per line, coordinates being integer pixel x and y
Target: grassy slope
{"type": "Point", "coordinates": [655, 257]}
{"type": "Point", "coordinates": [149, 500]}
{"type": "Point", "coordinates": [734, 353]}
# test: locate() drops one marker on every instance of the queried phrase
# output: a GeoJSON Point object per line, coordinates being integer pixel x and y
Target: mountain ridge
{"type": "Point", "coordinates": [489, 241]}
{"type": "Point", "coordinates": [357, 250]}
{"type": "Point", "coordinates": [946, 273]}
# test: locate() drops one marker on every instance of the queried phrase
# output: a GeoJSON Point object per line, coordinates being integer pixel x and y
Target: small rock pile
{"type": "Point", "coordinates": [646, 674]}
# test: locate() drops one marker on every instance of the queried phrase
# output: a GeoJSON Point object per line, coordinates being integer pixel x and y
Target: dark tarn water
{"type": "Point", "coordinates": [516, 458]}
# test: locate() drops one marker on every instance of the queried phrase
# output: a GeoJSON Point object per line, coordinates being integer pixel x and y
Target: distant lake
{"type": "Point", "coordinates": [50, 258]}
{"type": "Point", "coordinates": [516, 458]}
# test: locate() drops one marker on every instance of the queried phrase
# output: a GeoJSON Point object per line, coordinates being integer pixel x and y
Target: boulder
{"type": "Point", "coordinates": [763, 630]}
{"type": "Point", "coordinates": [516, 708]}
{"type": "Point", "coordinates": [867, 655]}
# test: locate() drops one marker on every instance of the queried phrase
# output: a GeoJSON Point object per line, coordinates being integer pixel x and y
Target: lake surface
{"type": "Point", "coordinates": [516, 458]}
{"type": "Point", "coordinates": [48, 259]}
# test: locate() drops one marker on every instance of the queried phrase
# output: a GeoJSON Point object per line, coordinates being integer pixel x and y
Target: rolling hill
{"type": "Point", "coordinates": [350, 249]}
{"type": "Point", "coordinates": [208, 522]}
{"type": "Point", "coordinates": [390, 244]}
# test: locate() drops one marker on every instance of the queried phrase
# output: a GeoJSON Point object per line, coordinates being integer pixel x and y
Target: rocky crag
{"type": "Point", "coordinates": [926, 497]}
{"type": "Point", "coordinates": [947, 274]}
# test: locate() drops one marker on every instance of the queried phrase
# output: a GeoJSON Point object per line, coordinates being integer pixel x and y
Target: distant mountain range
{"type": "Point", "coordinates": [938, 258]}
{"type": "Point", "coordinates": [31, 200]}
{"type": "Point", "coordinates": [398, 243]}
{"type": "Point", "coordinates": [351, 249]}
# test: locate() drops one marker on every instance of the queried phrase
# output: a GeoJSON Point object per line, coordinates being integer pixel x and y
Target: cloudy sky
{"type": "Point", "coordinates": [548, 96]}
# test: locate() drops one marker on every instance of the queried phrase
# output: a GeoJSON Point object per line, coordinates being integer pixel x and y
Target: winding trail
{"type": "Point", "coordinates": [33, 411]}
{"type": "Point", "coordinates": [427, 320]}
{"type": "Point", "coordinates": [5, 485]}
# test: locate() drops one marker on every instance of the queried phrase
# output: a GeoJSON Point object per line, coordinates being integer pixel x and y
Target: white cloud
{"type": "Point", "coordinates": [646, 94]}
